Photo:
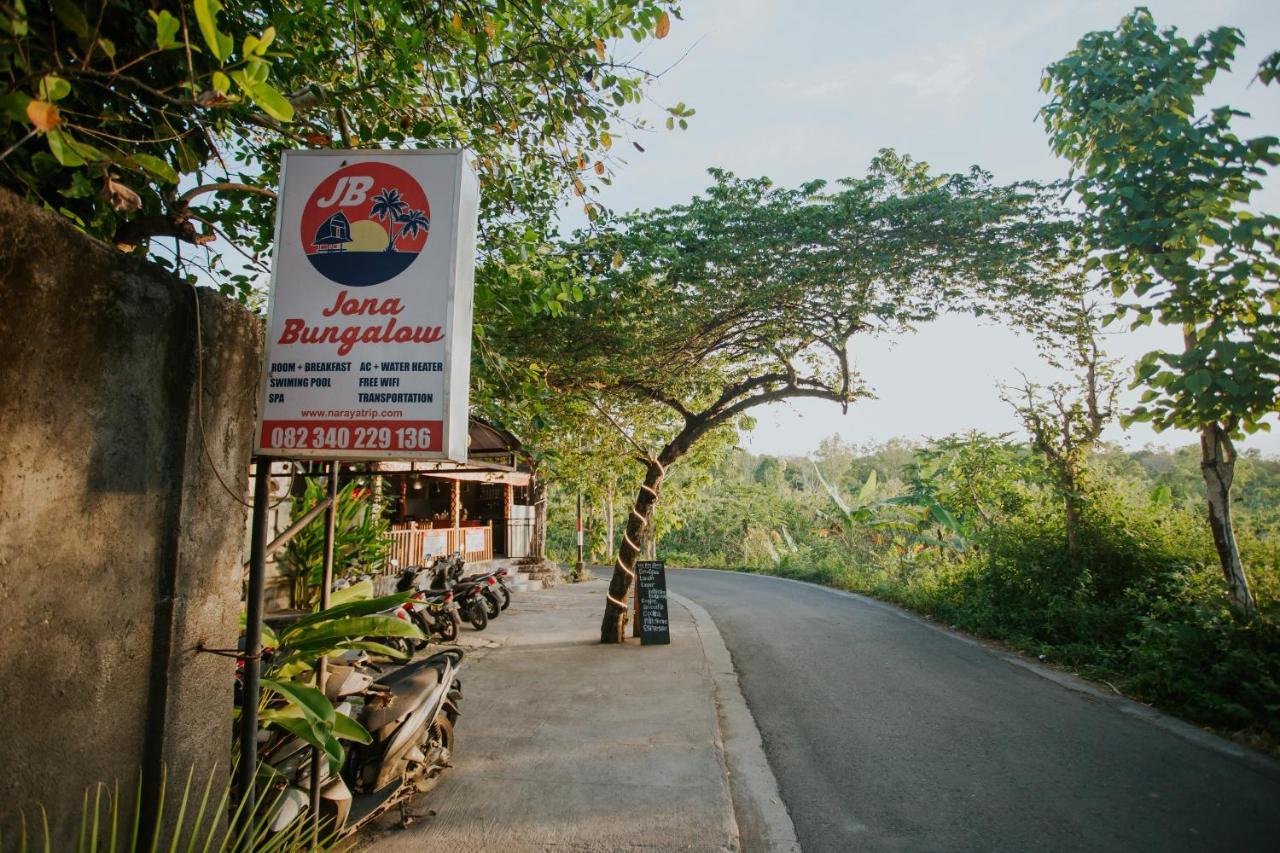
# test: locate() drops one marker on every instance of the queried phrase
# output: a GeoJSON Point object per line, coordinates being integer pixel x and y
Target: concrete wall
{"type": "Point", "coordinates": [119, 550]}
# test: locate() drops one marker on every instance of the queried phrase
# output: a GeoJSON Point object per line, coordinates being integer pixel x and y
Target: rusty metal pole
{"type": "Point", "coordinates": [580, 567]}
{"type": "Point", "coordinates": [247, 770]}
{"type": "Point", "coordinates": [322, 666]}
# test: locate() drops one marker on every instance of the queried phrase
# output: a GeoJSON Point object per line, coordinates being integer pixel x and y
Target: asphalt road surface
{"type": "Point", "coordinates": [886, 733]}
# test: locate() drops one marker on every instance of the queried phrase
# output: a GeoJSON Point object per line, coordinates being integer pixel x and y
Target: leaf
{"type": "Point", "coordinates": [305, 730]}
{"type": "Point", "coordinates": [356, 607]}
{"type": "Point", "coordinates": [868, 489]}
{"type": "Point", "coordinates": [272, 102]}
{"type": "Point", "coordinates": [71, 17]}
{"type": "Point", "coordinates": [599, 45]}
{"type": "Point", "coordinates": [221, 83]}
{"type": "Point", "coordinates": [617, 260]}
{"type": "Point", "coordinates": [155, 167]}
{"type": "Point", "coordinates": [265, 40]}
{"type": "Point", "coordinates": [352, 628]}
{"type": "Point", "coordinates": [606, 140]}
{"type": "Point", "coordinates": [314, 704]}
{"type": "Point", "coordinates": [356, 592]}
{"type": "Point", "coordinates": [53, 87]}
{"type": "Point", "coordinates": [167, 27]}
{"type": "Point", "coordinates": [120, 197]}
{"type": "Point", "coordinates": [62, 149]}
{"type": "Point", "coordinates": [664, 26]}
{"type": "Point", "coordinates": [220, 44]}
{"type": "Point", "coordinates": [835, 496]}
{"type": "Point", "coordinates": [44, 116]}
{"type": "Point", "coordinates": [14, 105]}
{"type": "Point", "coordinates": [599, 167]}
{"type": "Point", "coordinates": [346, 728]}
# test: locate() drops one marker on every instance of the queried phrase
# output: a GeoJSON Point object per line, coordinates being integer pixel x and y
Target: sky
{"type": "Point", "coordinates": [804, 89]}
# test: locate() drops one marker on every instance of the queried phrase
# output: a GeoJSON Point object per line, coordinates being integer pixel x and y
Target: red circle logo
{"type": "Point", "coordinates": [365, 224]}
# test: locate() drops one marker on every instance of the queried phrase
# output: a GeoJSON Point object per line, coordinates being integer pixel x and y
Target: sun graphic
{"type": "Point", "coordinates": [367, 236]}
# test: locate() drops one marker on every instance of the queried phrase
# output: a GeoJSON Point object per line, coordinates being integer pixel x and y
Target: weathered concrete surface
{"type": "Point", "coordinates": [119, 551]}
{"type": "Point", "coordinates": [565, 744]}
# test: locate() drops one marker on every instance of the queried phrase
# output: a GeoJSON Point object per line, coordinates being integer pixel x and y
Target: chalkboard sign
{"type": "Point", "coordinates": [655, 629]}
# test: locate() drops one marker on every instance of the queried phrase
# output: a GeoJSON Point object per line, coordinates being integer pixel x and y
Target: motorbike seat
{"type": "Point", "coordinates": [407, 685]}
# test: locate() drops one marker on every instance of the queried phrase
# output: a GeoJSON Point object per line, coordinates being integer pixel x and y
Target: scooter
{"type": "Point", "coordinates": [410, 711]}
{"type": "Point", "coordinates": [435, 612]}
{"type": "Point", "coordinates": [468, 593]}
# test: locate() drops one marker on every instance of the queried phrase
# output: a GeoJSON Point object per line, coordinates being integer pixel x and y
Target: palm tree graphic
{"type": "Point", "coordinates": [390, 205]}
{"type": "Point", "coordinates": [411, 223]}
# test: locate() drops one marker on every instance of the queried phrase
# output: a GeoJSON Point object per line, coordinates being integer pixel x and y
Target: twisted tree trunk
{"type": "Point", "coordinates": [613, 629]}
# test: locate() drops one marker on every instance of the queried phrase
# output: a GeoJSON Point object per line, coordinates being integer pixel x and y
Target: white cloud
{"type": "Point", "coordinates": [948, 77]}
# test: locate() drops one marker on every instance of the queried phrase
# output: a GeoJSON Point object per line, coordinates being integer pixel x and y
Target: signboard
{"type": "Point", "coordinates": [474, 539]}
{"type": "Point", "coordinates": [434, 543]}
{"type": "Point", "coordinates": [369, 330]}
{"type": "Point", "coordinates": [651, 580]}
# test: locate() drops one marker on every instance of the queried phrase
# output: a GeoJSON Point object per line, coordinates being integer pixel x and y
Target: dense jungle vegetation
{"type": "Point", "coordinates": [969, 530]}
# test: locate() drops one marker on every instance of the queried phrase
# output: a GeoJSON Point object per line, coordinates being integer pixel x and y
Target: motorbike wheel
{"type": "Point", "coordinates": [491, 604]}
{"type": "Point", "coordinates": [477, 615]}
{"type": "Point", "coordinates": [448, 623]}
{"type": "Point", "coordinates": [505, 594]}
{"type": "Point", "coordinates": [438, 748]}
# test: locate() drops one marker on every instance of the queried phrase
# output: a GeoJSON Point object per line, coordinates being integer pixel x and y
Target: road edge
{"type": "Point", "coordinates": [763, 821]}
{"type": "Point", "coordinates": [1258, 761]}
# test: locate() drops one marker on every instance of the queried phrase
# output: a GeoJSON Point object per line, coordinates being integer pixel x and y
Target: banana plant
{"type": "Point", "coordinates": [291, 699]}
{"type": "Point", "coordinates": [927, 523]}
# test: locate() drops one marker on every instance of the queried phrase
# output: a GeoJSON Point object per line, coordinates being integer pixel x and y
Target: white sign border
{"type": "Point", "coordinates": [455, 438]}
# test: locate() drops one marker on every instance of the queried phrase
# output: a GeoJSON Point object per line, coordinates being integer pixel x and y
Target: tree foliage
{"type": "Point", "coordinates": [692, 315]}
{"type": "Point", "coordinates": [1168, 192]}
{"type": "Point", "coordinates": [1168, 188]}
{"type": "Point", "coordinates": [138, 120]}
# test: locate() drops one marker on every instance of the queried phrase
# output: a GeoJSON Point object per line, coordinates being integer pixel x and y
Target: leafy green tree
{"type": "Point", "coordinates": [139, 120]}
{"type": "Point", "coordinates": [1066, 419]}
{"type": "Point", "coordinates": [1168, 190]}
{"type": "Point", "coordinates": [750, 294]}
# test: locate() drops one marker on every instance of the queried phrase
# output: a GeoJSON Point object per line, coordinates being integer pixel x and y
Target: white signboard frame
{"type": "Point", "coordinates": [368, 350]}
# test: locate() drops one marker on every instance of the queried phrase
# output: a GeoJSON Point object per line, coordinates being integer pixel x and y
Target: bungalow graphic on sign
{"type": "Point", "coordinates": [365, 224]}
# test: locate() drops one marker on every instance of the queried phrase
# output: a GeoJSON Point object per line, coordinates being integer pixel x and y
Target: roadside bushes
{"type": "Point", "coordinates": [1138, 602]}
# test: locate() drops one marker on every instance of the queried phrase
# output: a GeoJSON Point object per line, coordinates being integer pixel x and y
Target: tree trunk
{"type": "Point", "coordinates": [1217, 464]}
{"type": "Point", "coordinates": [1073, 523]}
{"type": "Point", "coordinates": [650, 544]}
{"type": "Point", "coordinates": [613, 626]}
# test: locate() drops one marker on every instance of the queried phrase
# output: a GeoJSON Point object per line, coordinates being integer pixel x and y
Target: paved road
{"type": "Point", "coordinates": [888, 734]}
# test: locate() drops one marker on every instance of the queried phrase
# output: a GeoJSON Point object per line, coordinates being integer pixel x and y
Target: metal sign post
{"type": "Point", "coordinates": [252, 673]}
{"type": "Point", "coordinates": [322, 666]}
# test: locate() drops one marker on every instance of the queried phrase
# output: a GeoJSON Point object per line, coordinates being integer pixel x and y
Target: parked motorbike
{"type": "Point", "coordinates": [410, 711]}
{"type": "Point", "coordinates": [469, 593]}
{"type": "Point", "coordinates": [435, 612]}
{"type": "Point", "coordinates": [496, 595]}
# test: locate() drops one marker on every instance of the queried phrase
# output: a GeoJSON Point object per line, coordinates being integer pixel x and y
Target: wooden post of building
{"type": "Point", "coordinates": [508, 508]}
{"type": "Point", "coordinates": [455, 503]}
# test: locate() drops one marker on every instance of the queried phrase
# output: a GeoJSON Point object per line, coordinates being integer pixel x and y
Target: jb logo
{"type": "Point", "coordinates": [364, 224]}
{"type": "Point", "coordinates": [356, 188]}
